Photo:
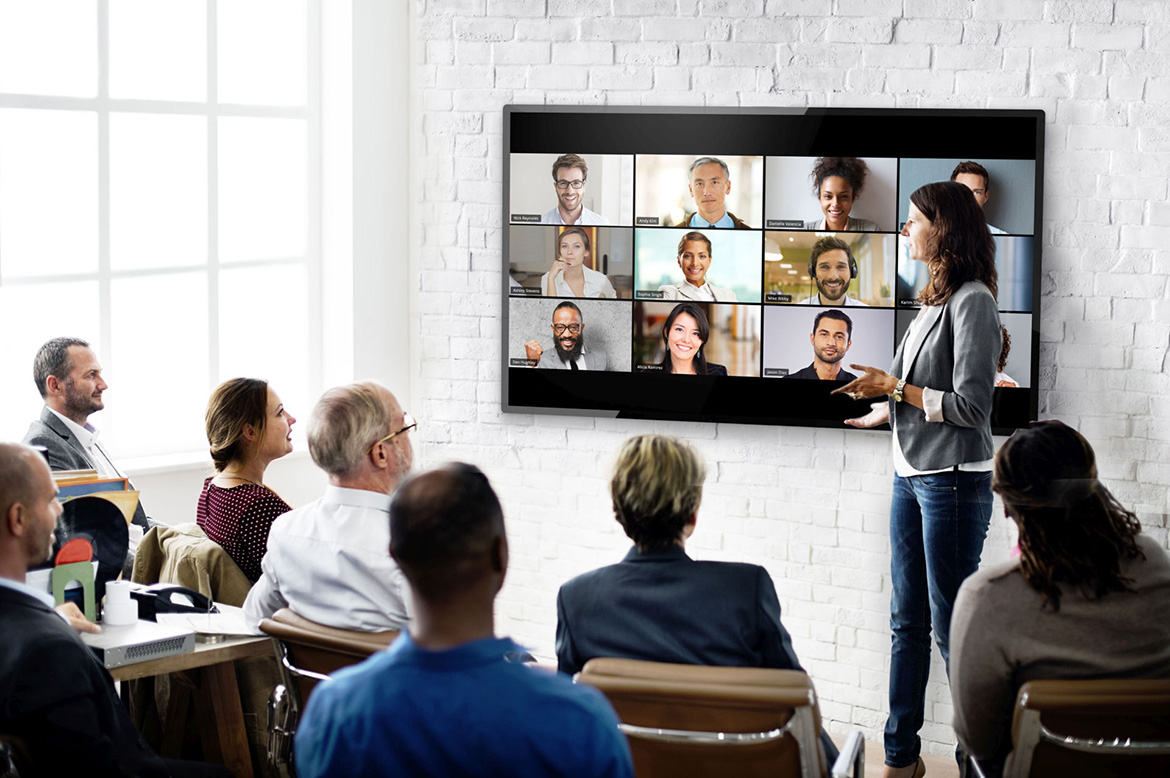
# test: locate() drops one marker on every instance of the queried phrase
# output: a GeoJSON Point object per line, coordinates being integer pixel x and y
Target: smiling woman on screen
{"type": "Point", "coordinates": [837, 183]}
{"type": "Point", "coordinates": [685, 333]}
{"type": "Point", "coordinates": [247, 428]}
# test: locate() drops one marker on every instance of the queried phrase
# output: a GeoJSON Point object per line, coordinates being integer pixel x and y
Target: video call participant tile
{"type": "Point", "coordinates": [700, 192]}
{"type": "Point", "coordinates": [851, 269]}
{"type": "Point", "coordinates": [1013, 266]}
{"type": "Point", "coordinates": [591, 262]}
{"type": "Point", "coordinates": [831, 194]}
{"type": "Point", "coordinates": [697, 338]}
{"type": "Point", "coordinates": [700, 265]}
{"type": "Point", "coordinates": [591, 190]}
{"type": "Point", "coordinates": [1006, 188]}
{"type": "Point", "coordinates": [821, 343]}
{"type": "Point", "coordinates": [569, 334]}
{"type": "Point", "coordinates": [1014, 367]}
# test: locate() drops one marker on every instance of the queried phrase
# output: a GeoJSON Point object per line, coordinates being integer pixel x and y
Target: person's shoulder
{"type": "Point", "coordinates": [588, 580]}
{"type": "Point", "coordinates": [714, 369]}
{"type": "Point", "coordinates": [569, 701]}
{"type": "Point", "coordinates": [864, 225]}
{"type": "Point", "coordinates": [671, 291]}
{"type": "Point", "coordinates": [1005, 575]}
{"type": "Point", "coordinates": [973, 289]}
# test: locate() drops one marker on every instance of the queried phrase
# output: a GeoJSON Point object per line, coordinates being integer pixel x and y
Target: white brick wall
{"type": "Point", "coordinates": [810, 505]}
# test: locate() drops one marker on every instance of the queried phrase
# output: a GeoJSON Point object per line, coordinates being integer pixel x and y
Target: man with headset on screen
{"type": "Point", "coordinates": [569, 172]}
{"type": "Point", "coordinates": [709, 183]}
{"type": "Point", "coordinates": [831, 266]}
{"type": "Point", "coordinates": [831, 338]}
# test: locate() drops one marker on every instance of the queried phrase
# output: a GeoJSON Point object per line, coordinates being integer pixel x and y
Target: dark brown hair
{"type": "Point", "coordinates": [696, 313]}
{"type": "Point", "coordinates": [852, 169]}
{"type": "Point", "coordinates": [1073, 531]}
{"type": "Point", "coordinates": [963, 247]}
{"type": "Point", "coordinates": [570, 161]}
{"type": "Point", "coordinates": [972, 169]}
{"type": "Point", "coordinates": [694, 236]}
{"type": "Point", "coordinates": [233, 405]}
{"type": "Point", "coordinates": [1005, 349]}
{"type": "Point", "coordinates": [576, 231]}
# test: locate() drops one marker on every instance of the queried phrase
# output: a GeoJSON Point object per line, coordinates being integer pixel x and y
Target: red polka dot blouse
{"type": "Point", "coordinates": [239, 519]}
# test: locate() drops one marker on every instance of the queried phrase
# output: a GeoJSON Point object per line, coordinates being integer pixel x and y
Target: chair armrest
{"type": "Point", "coordinates": [851, 761]}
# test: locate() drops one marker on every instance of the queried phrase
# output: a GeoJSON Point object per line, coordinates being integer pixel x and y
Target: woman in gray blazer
{"type": "Point", "coordinates": [940, 394]}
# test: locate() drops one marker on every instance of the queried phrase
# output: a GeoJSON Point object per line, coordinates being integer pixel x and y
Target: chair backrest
{"type": "Point", "coordinates": [310, 651]}
{"type": "Point", "coordinates": [1091, 728]}
{"type": "Point", "coordinates": [712, 721]}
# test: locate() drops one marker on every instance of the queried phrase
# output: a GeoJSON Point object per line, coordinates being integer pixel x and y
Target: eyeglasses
{"type": "Point", "coordinates": [563, 185]}
{"type": "Point", "coordinates": [572, 328]}
{"type": "Point", "coordinates": [409, 424]}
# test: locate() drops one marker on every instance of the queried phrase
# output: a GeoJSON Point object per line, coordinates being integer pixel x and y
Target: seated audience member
{"type": "Point", "coordinates": [1088, 596]}
{"type": "Point", "coordinates": [569, 173]}
{"type": "Point", "coordinates": [658, 604]}
{"type": "Point", "coordinates": [69, 378]}
{"type": "Point", "coordinates": [247, 428]}
{"type": "Point", "coordinates": [709, 183]}
{"type": "Point", "coordinates": [832, 267]}
{"type": "Point", "coordinates": [837, 183]}
{"type": "Point", "coordinates": [330, 560]}
{"type": "Point", "coordinates": [831, 337]}
{"type": "Point", "coordinates": [570, 351]}
{"type": "Point", "coordinates": [54, 694]}
{"type": "Point", "coordinates": [1002, 378]}
{"type": "Point", "coordinates": [694, 259]}
{"type": "Point", "coordinates": [568, 276]}
{"type": "Point", "coordinates": [444, 699]}
{"type": "Point", "coordinates": [685, 332]}
{"type": "Point", "coordinates": [976, 178]}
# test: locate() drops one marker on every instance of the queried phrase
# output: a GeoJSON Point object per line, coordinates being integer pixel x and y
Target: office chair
{"type": "Point", "coordinates": [1095, 728]}
{"type": "Point", "coordinates": [307, 653]}
{"type": "Point", "coordinates": [719, 721]}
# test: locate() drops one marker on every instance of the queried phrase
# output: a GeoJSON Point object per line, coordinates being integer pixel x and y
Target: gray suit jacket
{"type": "Point", "coordinates": [957, 356]}
{"type": "Point", "coordinates": [595, 359]}
{"type": "Point", "coordinates": [65, 450]}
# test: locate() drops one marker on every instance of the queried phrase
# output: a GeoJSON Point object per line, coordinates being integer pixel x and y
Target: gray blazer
{"type": "Point", "coordinates": [957, 356]}
{"type": "Point", "coordinates": [65, 450]}
{"type": "Point", "coordinates": [595, 359]}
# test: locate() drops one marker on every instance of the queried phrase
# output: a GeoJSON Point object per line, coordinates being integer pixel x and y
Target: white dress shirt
{"type": "Point", "coordinates": [587, 218]}
{"type": "Point", "coordinates": [330, 562]}
{"type": "Point", "coordinates": [596, 285]}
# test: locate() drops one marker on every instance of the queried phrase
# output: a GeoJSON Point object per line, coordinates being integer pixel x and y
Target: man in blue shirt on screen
{"type": "Point", "coordinates": [445, 699]}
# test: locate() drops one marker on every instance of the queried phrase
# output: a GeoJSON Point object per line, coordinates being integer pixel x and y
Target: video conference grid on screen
{"type": "Point", "coordinates": [673, 285]}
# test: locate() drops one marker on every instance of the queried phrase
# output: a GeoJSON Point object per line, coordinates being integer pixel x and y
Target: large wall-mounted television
{"type": "Point", "coordinates": [760, 248]}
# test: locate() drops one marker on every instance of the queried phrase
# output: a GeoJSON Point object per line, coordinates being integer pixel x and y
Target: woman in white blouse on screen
{"type": "Point", "coordinates": [568, 276]}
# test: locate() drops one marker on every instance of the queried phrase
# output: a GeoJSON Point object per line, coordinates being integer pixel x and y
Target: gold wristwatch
{"type": "Point", "coordinates": [897, 395]}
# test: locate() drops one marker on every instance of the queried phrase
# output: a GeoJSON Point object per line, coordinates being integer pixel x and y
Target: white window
{"type": "Point", "coordinates": [160, 197]}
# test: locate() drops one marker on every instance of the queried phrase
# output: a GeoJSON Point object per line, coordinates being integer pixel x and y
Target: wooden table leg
{"type": "Point", "coordinates": [222, 696]}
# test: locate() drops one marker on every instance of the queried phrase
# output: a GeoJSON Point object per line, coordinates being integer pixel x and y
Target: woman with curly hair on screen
{"type": "Point", "coordinates": [837, 183]}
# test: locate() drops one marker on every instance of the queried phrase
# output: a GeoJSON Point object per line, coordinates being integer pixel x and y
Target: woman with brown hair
{"type": "Point", "coordinates": [568, 276]}
{"type": "Point", "coordinates": [684, 333]}
{"type": "Point", "coordinates": [1088, 596]}
{"type": "Point", "coordinates": [247, 428]}
{"type": "Point", "coordinates": [940, 388]}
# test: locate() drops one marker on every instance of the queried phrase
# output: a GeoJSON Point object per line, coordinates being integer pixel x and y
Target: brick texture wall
{"type": "Point", "coordinates": [809, 505]}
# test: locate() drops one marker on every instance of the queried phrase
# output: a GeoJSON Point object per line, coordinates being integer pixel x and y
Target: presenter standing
{"type": "Point", "coordinates": [940, 395]}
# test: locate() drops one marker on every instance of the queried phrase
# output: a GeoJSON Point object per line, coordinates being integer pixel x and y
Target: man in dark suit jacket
{"type": "Point", "coordinates": [54, 695]}
{"type": "Point", "coordinates": [658, 604]}
{"type": "Point", "coordinates": [69, 379]}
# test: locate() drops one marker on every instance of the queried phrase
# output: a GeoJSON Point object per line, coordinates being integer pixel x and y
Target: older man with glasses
{"type": "Point", "coordinates": [330, 560]}
{"type": "Point", "coordinates": [569, 173]}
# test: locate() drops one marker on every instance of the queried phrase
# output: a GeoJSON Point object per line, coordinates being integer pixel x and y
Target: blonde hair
{"type": "Point", "coordinates": [346, 422]}
{"type": "Point", "coordinates": [657, 485]}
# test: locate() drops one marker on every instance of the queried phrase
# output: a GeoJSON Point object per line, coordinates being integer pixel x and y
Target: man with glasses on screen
{"type": "Point", "coordinates": [69, 378]}
{"type": "Point", "coordinates": [976, 178]}
{"type": "Point", "coordinates": [570, 352]}
{"type": "Point", "coordinates": [569, 172]}
{"type": "Point", "coordinates": [329, 560]}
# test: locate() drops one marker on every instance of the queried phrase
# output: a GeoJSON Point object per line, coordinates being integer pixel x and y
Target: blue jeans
{"type": "Point", "coordinates": [937, 526]}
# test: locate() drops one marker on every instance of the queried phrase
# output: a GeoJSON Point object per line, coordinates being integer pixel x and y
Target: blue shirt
{"type": "Point", "coordinates": [699, 221]}
{"type": "Point", "coordinates": [465, 711]}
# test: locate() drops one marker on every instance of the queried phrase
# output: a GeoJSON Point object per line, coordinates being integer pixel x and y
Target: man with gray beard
{"type": "Point", "coordinates": [330, 560]}
{"type": "Point", "coordinates": [569, 339]}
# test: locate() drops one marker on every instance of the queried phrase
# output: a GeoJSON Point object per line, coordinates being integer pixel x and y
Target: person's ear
{"type": "Point", "coordinates": [689, 527]}
{"type": "Point", "coordinates": [812, 339]}
{"type": "Point", "coordinates": [249, 433]}
{"type": "Point", "coordinates": [15, 520]}
{"type": "Point", "coordinates": [498, 555]}
{"type": "Point", "coordinates": [53, 385]}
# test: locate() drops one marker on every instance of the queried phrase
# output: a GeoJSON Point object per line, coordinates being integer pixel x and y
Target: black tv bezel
{"type": "Point", "coordinates": [982, 133]}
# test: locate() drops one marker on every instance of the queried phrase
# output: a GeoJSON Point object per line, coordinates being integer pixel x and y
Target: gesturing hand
{"type": "Point", "coordinates": [534, 349]}
{"type": "Point", "coordinates": [873, 383]}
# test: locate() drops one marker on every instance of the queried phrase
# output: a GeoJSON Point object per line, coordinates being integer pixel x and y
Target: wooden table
{"type": "Point", "coordinates": [215, 661]}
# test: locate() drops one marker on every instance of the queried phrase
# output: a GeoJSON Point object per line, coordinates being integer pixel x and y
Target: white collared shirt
{"type": "Point", "coordinates": [587, 218]}
{"type": "Point", "coordinates": [596, 285]}
{"type": "Point", "coordinates": [330, 562]}
{"type": "Point", "coordinates": [87, 436]}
